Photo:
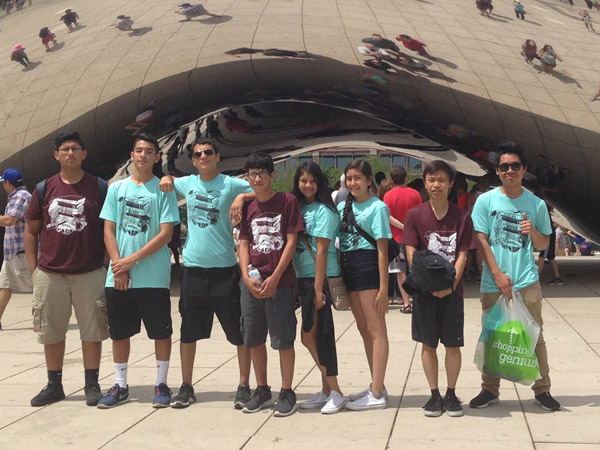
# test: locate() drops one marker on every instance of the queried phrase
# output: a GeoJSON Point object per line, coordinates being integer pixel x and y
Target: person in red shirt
{"type": "Point", "coordinates": [399, 200]}
{"type": "Point", "coordinates": [415, 45]}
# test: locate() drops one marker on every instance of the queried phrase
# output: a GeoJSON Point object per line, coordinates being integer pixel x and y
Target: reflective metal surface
{"type": "Point", "coordinates": [288, 75]}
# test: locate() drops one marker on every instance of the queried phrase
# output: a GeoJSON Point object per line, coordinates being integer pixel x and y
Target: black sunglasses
{"type": "Point", "coordinates": [516, 166]}
{"type": "Point", "coordinates": [207, 152]}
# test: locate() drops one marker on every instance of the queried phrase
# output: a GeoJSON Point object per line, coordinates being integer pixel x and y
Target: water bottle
{"type": "Point", "coordinates": [254, 273]}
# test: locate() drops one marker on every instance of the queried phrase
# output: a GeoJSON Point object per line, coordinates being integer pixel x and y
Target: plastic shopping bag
{"type": "Point", "coordinates": [506, 346]}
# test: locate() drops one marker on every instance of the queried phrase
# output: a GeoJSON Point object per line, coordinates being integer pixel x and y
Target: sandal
{"type": "Point", "coordinates": [406, 309]}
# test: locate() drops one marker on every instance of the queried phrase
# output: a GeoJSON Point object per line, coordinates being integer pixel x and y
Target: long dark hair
{"type": "Point", "coordinates": [365, 168]}
{"type": "Point", "coordinates": [323, 191]}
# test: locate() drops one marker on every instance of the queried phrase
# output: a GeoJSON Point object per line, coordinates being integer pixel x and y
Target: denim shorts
{"type": "Point", "coordinates": [360, 269]}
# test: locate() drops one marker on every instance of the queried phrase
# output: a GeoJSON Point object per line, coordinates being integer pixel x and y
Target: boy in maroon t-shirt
{"type": "Point", "coordinates": [69, 272]}
{"type": "Point", "coordinates": [442, 227]}
{"type": "Point", "coordinates": [268, 238]}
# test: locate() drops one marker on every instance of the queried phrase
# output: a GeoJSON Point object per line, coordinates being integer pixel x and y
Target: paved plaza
{"type": "Point", "coordinates": [571, 314]}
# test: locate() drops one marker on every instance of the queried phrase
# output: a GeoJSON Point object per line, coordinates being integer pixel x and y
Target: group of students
{"type": "Point", "coordinates": [286, 246]}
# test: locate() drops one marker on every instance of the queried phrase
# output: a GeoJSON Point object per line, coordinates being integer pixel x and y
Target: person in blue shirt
{"type": "Point", "coordinates": [510, 222]}
{"type": "Point", "coordinates": [313, 264]}
{"type": "Point", "coordinates": [365, 272]}
{"type": "Point", "coordinates": [138, 225]}
{"type": "Point", "coordinates": [211, 276]}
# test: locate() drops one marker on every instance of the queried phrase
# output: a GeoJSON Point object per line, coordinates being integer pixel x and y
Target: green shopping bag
{"type": "Point", "coordinates": [506, 346]}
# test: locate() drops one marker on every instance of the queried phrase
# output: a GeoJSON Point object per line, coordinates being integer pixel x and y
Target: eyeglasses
{"type": "Point", "coordinates": [261, 174]}
{"type": "Point", "coordinates": [207, 152]}
{"type": "Point", "coordinates": [516, 166]}
{"type": "Point", "coordinates": [70, 149]}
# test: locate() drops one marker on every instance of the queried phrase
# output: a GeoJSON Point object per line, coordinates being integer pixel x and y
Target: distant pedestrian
{"type": "Point", "coordinates": [70, 18]}
{"type": "Point", "coordinates": [124, 23]}
{"type": "Point", "coordinates": [484, 6]}
{"type": "Point", "coordinates": [587, 20]}
{"type": "Point", "coordinates": [18, 54]}
{"type": "Point", "coordinates": [190, 11]}
{"type": "Point", "coordinates": [548, 58]}
{"type": "Point", "coordinates": [47, 37]}
{"type": "Point", "coordinates": [415, 45]}
{"type": "Point", "coordinates": [589, 3]}
{"type": "Point", "coordinates": [519, 10]}
{"type": "Point", "coordinates": [529, 51]}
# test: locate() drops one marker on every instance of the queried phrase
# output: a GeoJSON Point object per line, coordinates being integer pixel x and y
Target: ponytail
{"type": "Point", "coordinates": [347, 207]}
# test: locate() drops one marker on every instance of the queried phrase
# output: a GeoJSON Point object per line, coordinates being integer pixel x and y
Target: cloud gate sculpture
{"type": "Point", "coordinates": [287, 76]}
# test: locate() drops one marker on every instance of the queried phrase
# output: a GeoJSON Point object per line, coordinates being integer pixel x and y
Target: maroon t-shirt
{"type": "Point", "coordinates": [446, 237]}
{"type": "Point", "coordinates": [71, 239]}
{"type": "Point", "coordinates": [399, 200]}
{"type": "Point", "coordinates": [266, 226]}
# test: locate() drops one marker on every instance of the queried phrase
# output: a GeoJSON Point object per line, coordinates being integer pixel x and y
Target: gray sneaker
{"type": "Point", "coordinates": [260, 396]}
{"type": "Point", "coordinates": [286, 403]}
{"type": "Point", "coordinates": [184, 398]}
{"type": "Point", "coordinates": [242, 396]}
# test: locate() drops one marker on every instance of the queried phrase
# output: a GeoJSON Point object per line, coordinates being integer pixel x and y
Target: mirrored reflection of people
{"type": "Point", "coordinates": [529, 51]}
{"type": "Point", "coordinates": [519, 9]}
{"type": "Point", "coordinates": [548, 58]}
{"type": "Point", "coordinates": [597, 96]}
{"type": "Point", "coordinates": [587, 20]}
{"type": "Point", "coordinates": [14, 275]}
{"type": "Point", "coordinates": [190, 11]}
{"type": "Point", "coordinates": [124, 23]}
{"type": "Point", "coordinates": [485, 7]}
{"type": "Point", "coordinates": [380, 42]}
{"type": "Point", "coordinates": [415, 45]}
{"type": "Point", "coordinates": [510, 222]}
{"type": "Point", "coordinates": [47, 37]}
{"type": "Point", "coordinates": [18, 54]}
{"type": "Point", "coordinates": [70, 18]}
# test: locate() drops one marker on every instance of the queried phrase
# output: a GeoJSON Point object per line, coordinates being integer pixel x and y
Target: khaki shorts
{"type": "Point", "coordinates": [15, 274]}
{"type": "Point", "coordinates": [53, 296]}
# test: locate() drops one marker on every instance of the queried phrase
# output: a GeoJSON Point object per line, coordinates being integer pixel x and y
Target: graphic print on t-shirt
{"type": "Point", "coordinates": [443, 243]}
{"type": "Point", "coordinates": [507, 230]}
{"type": "Point", "coordinates": [352, 243]}
{"type": "Point", "coordinates": [67, 214]}
{"type": "Point", "coordinates": [266, 233]}
{"type": "Point", "coordinates": [205, 207]}
{"type": "Point", "coordinates": [135, 214]}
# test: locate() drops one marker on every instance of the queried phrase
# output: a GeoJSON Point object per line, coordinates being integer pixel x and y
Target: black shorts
{"type": "Point", "coordinates": [205, 292]}
{"type": "Point", "coordinates": [550, 252]}
{"type": "Point", "coordinates": [360, 269]}
{"type": "Point", "coordinates": [127, 309]}
{"type": "Point", "coordinates": [438, 320]}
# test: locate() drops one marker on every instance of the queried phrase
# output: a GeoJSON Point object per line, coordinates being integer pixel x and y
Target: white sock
{"type": "Point", "coordinates": [121, 374]}
{"type": "Point", "coordinates": [162, 368]}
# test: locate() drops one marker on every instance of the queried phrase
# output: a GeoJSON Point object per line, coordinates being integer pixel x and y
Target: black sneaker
{"type": "Point", "coordinates": [434, 407]}
{"type": "Point", "coordinates": [185, 397]}
{"type": "Point", "coordinates": [50, 394]}
{"type": "Point", "coordinates": [242, 396]}
{"type": "Point", "coordinates": [547, 402]}
{"type": "Point", "coordinates": [260, 396]}
{"type": "Point", "coordinates": [453, 406]}
{"type": "Point", "coordinates": [286, 403]}
{"type": "Point", "coordinates": [93, 394]}
{"type": "Point", "coordinates": [483, 399]}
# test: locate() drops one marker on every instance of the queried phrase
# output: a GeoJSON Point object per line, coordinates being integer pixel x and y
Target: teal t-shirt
{"type": "Point", "coordinates": [138, 212]}
{"type": "Point", "coordinates": [209, 241]}
{"type": "Point", "coordinates": [500, 218]}
{"type": "Point", "coordinates": [373, 216]}
{"type": "Point", "coordinates": [319, 222]}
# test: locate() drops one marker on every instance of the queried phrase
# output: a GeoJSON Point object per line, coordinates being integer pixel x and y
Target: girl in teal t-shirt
{"type": "Point", "coordinates": [315, 257]}
{"type": "Point", "coordinates": [365, 271]}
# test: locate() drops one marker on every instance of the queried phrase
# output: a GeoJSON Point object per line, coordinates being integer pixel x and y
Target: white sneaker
{"type": "Point", "coordinates": [335, 403]}
{"type": "Point", "coordinates": [361, 394]}
{"type": "Point", "coordinates": [315, 402]}
{"type": "Point", "coordinates": [367, 402]}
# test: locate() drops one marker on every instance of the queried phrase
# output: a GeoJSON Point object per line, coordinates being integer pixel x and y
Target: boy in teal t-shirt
{"type": "Point", "coordinates": [510, 222]}
{"type": "Point", "coordinates": [211, 277]}
{"type": "Point", "coordinates": [139, 221]}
